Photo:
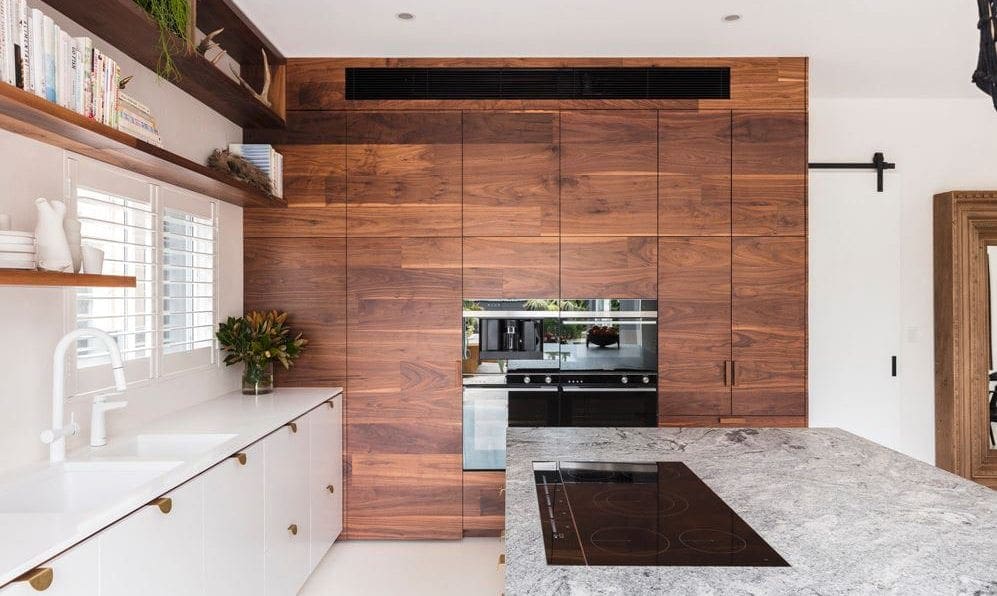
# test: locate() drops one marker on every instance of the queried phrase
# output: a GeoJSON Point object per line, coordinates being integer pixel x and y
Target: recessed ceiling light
{"type": "Point", "coordinates": [732, 18]}
{"type": "Point", "coordinates": [405, 16]}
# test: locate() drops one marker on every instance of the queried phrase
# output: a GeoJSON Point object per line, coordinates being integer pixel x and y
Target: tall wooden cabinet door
{"type": "Point", "coordinates": [510, 177]}
{"type": "Point", "coordinates": [507, 267]}
{"type": "Point", "coordinates": [154, 552]}
{"type": "Point", "coordinates": [694, 326]}
{"type": "Point", "coordinates": [609, 173]}
{"type": "Point", "coordinates": [609, 267]}
{"type": "Point", "coordinates": [286, 454]}
{"type": "Point", "coordinates": [74, 573]}
{"type": "Point", "coordinates": [694, 160]}
{"type": "Point", "coordinates": [234, 525]}
{"type": "Point", "coordinates": [404, 439]}
{"type": "Point", "coordinates": [769, 326]}
{"type": "Point", "coordinates": [325, 478]}
{"type": "Point", "coordinates": [305, 277]}
{"type": "Point", "coordinates": [403, 174]}
{"type": "Point", "coordinates": [770, 174]}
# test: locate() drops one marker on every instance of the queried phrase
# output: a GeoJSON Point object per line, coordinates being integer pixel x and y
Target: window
{"type": "Point", "coordinates": [165, 238]}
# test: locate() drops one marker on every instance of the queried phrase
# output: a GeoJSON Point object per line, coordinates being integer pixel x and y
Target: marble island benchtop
{"type": "Point", "coordinates": [850, 516]}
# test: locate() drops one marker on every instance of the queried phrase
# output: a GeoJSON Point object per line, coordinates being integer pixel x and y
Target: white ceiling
{"type": "Point", "coordinates": [858, 48]}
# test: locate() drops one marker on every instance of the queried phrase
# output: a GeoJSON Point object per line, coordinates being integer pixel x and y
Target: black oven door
{"type": "Point", "coordinates": [616, 406]}
{"type": "Point", "coordinates": [537, 406]}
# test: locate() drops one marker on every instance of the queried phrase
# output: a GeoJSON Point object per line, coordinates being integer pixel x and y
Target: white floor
{"type": "Point", "coordinates": [372, 568]}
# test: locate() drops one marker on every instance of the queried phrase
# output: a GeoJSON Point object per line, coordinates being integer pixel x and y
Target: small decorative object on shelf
{"type": "Point", "coordinates": [257, 340]}
{"type": "Point", "coordinates": [602, 336]}
{"type": "Point", "coordinates": [93, 260]}
{"type": "Point", "coordinates": [208, 44]}
{"type": "Point", "coordinates": [240, 168]}
{"type": "Point", "coordinates": [72, 227]}
{"type": "Point", "coordinates": [53, 247]}
{"type": "Point", "coordinates": [264, 95]}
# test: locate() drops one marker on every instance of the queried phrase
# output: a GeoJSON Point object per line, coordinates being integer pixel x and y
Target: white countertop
{"type": "Point", "coordinates": [28, 540]}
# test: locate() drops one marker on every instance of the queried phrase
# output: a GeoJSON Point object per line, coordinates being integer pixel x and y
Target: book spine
{"type": "Point", "coordinates": [75, 59]}
{"type": "Point", "coordinates": [48, 36]}
{"type": "Point", "coordinates": [62, 67]}
{"type": "Point", "coordinates": [24, 24]}
{"type": "Point", "coordinates": [6, 54]}
{"type": "Point", "coordinates": [38, 52]}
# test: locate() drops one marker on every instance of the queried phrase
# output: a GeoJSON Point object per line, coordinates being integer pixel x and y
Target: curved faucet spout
{"type": "Point", "coordinates": [57, 448]}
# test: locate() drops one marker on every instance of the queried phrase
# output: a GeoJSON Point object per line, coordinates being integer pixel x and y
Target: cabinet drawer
{"type": "Point", "coordinates": [287, 517]}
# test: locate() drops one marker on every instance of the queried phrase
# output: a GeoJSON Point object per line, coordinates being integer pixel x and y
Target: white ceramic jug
{"type": "Point", "coordinates": [50, 237]}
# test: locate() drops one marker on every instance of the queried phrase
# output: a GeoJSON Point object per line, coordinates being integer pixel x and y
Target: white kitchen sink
{"type": "Point", "coordinates": [73, 487]}
{"type": "Point", "coordinates": [163, 446]}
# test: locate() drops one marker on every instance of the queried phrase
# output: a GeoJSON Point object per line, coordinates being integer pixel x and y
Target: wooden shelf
{"type": "Point", "coordinates": [35, 117]}
{"type": "Point", "coordinates": [126, 26]}
{"type": "Point", "coordinates": [15, 277]}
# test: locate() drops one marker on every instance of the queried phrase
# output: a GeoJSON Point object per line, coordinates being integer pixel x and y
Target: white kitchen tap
{"type": "Point", "coordinates": [98, 419]}
{"type": "Point", "coordinates": [55, 437]}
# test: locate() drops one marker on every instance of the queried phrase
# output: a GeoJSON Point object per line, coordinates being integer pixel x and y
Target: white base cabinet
{"type": "Point", "coordinates": [74, 573]}
{"type": "Point", "coordinates": [255, 524]}
{"type": "Point", "coordinates": [325, 479]}
{"type": "Point", "coordinates": [154, 552]}
{"type": "Point", "coordinates": [233, 525]}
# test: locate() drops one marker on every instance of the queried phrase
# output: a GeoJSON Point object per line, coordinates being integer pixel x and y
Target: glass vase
{"type": "Point", "coordinates": [257, 378]}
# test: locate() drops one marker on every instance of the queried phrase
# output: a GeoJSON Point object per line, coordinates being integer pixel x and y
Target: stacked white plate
{"type": "Point", "coordinates": [17, 250]}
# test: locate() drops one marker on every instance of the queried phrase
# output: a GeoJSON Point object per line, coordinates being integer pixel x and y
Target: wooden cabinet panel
{"type": "Point", "coordinates": [735, 421]}
{"type": "Point", "coordinates": [770, 172]}
{"type": "Point", "coordinates": [314, 175]}
{"type": "Point", "coordinates": [484, 503]}
{"type": "Point", "coordinates": [769, 326]}
{"type": "Point", "coordinates": [307, 279]}
{"type": "Point", "coordinates": [609, 173]}
{"type": "Point", "coordinates": [511, 268]}
{"type": "Point", "coordinates": [403, 173]}
{"type": "Point", "coordinates": [694, 326]}
{"type": "Point", "coordinates": [510, 173]}
{"type": "Point", "coordinates": [603, 267]}
{"type": "Point", "coordinates": [299, 222]}
{"type": "Point", "coordinates": [404, 410]}
{"type": "Point", "coordinates": [694, 161]}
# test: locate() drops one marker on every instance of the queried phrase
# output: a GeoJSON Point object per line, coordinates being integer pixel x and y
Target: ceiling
{"type": "Point", "coordinates": [858, 48]}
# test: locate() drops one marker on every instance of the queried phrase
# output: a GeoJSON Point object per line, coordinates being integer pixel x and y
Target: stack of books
{"type": "Point", "coordinates": [136, 119]}
{"type": "Point", "coordinates": [38, 56]}
{"type": "Point", "coordinates": [265, 158]}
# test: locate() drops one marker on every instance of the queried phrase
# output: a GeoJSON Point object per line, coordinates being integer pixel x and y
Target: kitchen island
{"type": "Point", "coordinates": [849, 516]}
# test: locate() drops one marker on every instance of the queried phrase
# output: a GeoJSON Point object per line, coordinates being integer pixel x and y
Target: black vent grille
{"type": "Point", "coordinates": [537, 83]}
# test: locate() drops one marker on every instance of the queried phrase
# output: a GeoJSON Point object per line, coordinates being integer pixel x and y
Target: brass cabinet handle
{"type": "Point", "coordinates": [726, 362]}
{"type": "Point", "coordinates": [293, 426]}
{"type": "Point", "coordinates": [331, 489]}
{"type": "Point", "coordinates": [165, 504]}
{"type": "Point", "coordinates": [501, 561]}
{"type": "Point", "coordinates": [733, 373]}
{"type": "Point", "coordinates": [501, 491]}
{"type": "Point", "coordinates": [240, 457]}
{"type": "Point", "coordinates": [293, 529]}
{"type": "Point", "coordinates": [39, 579]}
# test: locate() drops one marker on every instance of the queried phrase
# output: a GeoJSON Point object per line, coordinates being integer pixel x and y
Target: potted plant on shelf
{"type": "Point", "coordinates": [258, 339]}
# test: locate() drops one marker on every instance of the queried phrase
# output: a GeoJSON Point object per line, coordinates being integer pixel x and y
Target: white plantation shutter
{"type": "Point", "coordinates": [188, 282]}
{"type": "Point", "coordinates": [117, 214]}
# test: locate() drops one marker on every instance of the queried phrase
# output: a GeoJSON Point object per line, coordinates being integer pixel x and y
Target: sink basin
{"type": "Point", "coordinates": [78, 486]}
{"type": "Point", "coordinates": [163, 446]}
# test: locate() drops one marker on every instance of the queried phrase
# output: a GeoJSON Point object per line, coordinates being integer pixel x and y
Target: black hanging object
{"type": "Point", "coordinates": [879, 164]}
{"type": "Point", "coordinates": [985, 76]}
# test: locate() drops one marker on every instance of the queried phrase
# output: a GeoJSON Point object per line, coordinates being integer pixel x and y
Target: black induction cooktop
{"type": "Point", "coordinates": [641, 514]}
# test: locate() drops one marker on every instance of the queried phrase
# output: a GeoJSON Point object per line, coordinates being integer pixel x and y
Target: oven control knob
{"type": "Point", "coordinates": [646, 380]}
{"type": "Point", "coordinates": [624, 380]}
{"type": "Point", "coordinates": [526, 380]}
{"type": "Point", "coordinates": [547, 379]}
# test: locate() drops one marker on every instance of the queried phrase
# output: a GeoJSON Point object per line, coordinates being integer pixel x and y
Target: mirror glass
{"type": "Point", "coordinates": [991, 396]}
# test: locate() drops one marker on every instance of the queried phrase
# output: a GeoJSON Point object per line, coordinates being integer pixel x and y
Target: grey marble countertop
{"type": "Point", "coordinates": [850, 516]}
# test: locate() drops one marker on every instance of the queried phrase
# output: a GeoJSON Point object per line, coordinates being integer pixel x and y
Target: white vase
{"type": "Point", "coordinates": [50, 237]}
{"type": "Point", "coordinates": [72, 228]}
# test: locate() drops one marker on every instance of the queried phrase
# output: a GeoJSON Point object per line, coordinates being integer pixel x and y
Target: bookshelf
{"type": "Point", "coordinates": [37, 118]}
{"type": "Point", "coordinates": [14, 277]}
{"type": "Point", "coordinates": [124, 25]}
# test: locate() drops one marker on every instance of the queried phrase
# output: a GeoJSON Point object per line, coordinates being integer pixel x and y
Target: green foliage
{"type": "Point", "coordinates": [553, 305]}
{"type": "Point", "coordinates": [173, 19]}
{"type": "Point", "coordinates": [258, 338]}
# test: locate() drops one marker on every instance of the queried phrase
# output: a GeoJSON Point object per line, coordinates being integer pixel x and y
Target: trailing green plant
{"type": "Point", "coordinates": [172, 17]}
{"type": "Point", "coordinates": [258, 339]}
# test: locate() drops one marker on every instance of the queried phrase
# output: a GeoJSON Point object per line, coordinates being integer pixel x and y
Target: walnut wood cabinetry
{"type": "Point", "coordinates": [404, 408]}
{"type": "Point", "coordinates": [616, 266]}
{"type": "Point", "coordinates": [694, 161]}
{"type": "Point", "coordinates": [511, 268]}
{"type": "Point", "coordinates": [609, 173]}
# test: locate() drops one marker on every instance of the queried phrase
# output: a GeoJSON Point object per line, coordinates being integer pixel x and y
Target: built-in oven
{"type": "Point", "coordinates": [608, 335]}
{"type": "Point", "coordinates": [609, 401]}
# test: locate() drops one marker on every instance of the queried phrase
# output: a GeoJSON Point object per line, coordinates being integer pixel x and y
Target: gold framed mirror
{"type": "Point", "coordinates": [965, 233]}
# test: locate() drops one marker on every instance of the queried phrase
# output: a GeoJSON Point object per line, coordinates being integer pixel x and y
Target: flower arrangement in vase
{"type": "Point", "coordinates": [259, 339]}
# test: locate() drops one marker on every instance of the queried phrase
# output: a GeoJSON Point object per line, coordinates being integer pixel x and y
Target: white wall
{"type": "Point", "coordinates": [32, 319]}
{"type": "Point", "coordinates": [938, 145]}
